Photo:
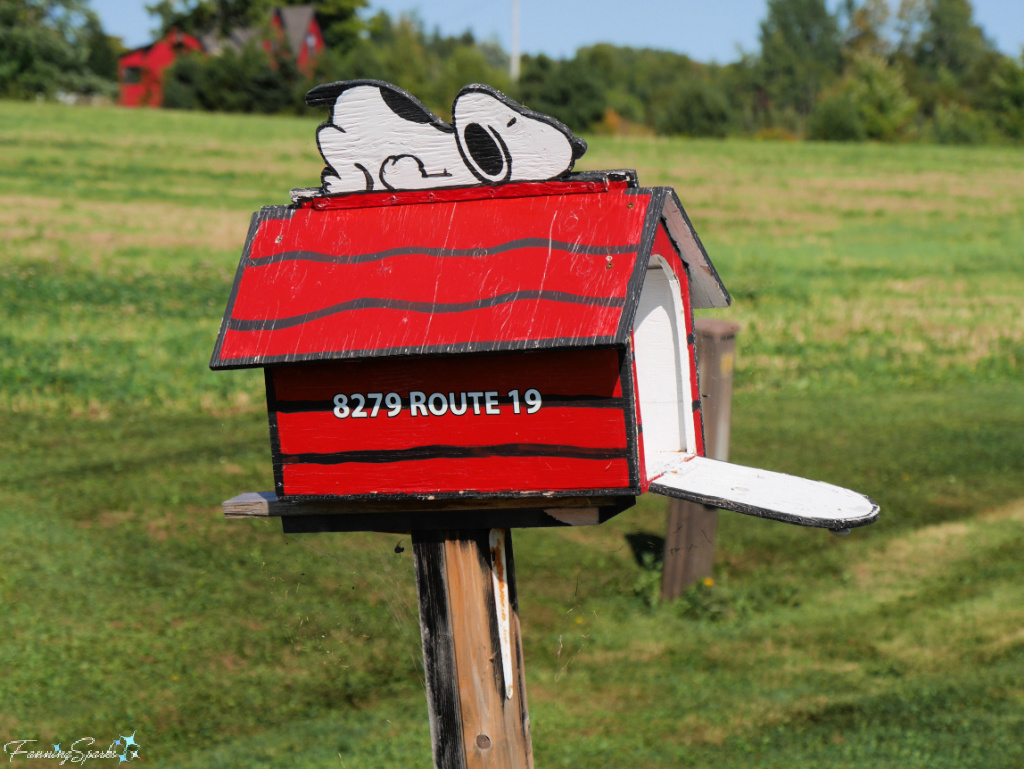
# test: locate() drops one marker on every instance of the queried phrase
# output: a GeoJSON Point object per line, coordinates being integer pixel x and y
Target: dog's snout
{"type": "Point", "coordinates": [484, 149]}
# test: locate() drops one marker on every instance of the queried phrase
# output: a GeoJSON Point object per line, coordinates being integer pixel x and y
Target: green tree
{"type": "Point", "coordinates": [199, 17]}
{"type": "Point", "coordinates": [567, 90]}
{"type": "Point", "coordinates": [865, 30]}
{"type": "Point", "coordinates": [944, 54]}
{"type": "Point", "coordinates": [432, 67]}
{"type": "Point", "coordinates": [637, 82]}
{"type": "Point", "coordinates": [44, 49]}
{"type": "Point", "coordinates": [246, 81]}
{"type": "Point", "coordinates": [800, 53]}
{"type": "Point", "coordinates": [696, 109]}
{"type": "Point", "coordinates": [871, 102]}
{"type": "Point", "coordinates": [1002, 96]}
{"type": "Point", "coordinates": [103, 51]}
{"type": "Point", "coordinates": [339, 21]}
{"type": "Point", "coordinates": [949, 38]}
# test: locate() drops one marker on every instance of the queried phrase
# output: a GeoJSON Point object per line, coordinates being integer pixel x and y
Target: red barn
{"type": "Point", "coordinates": [140, 73]}
{"type": "Point", "coordinates": [297, 25]}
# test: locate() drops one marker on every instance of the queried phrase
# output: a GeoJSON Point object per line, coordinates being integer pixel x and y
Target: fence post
{"type": "Point", "coordinates": [691, 528]}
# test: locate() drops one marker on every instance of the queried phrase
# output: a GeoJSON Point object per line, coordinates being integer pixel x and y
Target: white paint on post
{"type": "Point", "coordinates": [662, 370]}
{"type": "Point", "coordinates": [765, 494]}
{"type": "Point", "coordinates": [502, 605]}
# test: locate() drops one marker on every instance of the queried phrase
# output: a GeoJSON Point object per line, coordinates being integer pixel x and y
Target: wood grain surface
{"type": "Point", "coordinates": [473, 724]}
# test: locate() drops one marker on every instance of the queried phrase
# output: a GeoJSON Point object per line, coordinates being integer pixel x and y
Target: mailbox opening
{"type": "Point", "coordinates": [663, 370]}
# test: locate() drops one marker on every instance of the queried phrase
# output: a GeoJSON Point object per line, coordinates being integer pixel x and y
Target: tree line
{"type": "Point", "coordinates": [919, 70]}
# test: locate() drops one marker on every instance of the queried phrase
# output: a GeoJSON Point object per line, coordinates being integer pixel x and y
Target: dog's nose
{"type": "Point", "coordinates": [484, 149]}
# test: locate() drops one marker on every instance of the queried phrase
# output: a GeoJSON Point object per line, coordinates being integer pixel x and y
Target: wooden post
{"type": "Point", "coordinates": [691, 528]}
{"type": "Point", "coordinates": [478, 719]}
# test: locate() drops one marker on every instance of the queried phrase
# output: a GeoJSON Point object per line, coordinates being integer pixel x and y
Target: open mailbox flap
{"type": "Point", "coordinates": [765, 494]}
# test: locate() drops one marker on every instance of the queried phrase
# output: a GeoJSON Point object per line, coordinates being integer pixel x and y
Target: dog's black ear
{"type": "Point", "coordinates": [399, 101]}
{"type": "Point", "coordinates": [407, 106]}
{"type": "Point", "coordinates": [326, 94]}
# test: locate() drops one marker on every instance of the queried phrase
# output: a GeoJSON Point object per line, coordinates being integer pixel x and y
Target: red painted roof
{"type": "Point", "coordinates": [523, 266]}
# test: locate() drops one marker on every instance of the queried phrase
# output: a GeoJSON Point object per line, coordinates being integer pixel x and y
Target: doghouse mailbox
{"type": "Point", "coordinates": [531, 341]}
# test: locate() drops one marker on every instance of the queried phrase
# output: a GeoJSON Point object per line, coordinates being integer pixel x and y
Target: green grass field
{"type": "Point", "coordinates": [881, 294]}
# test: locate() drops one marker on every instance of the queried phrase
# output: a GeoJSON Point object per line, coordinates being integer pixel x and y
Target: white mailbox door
{"type": "Point", "coordinates": [765, 494]}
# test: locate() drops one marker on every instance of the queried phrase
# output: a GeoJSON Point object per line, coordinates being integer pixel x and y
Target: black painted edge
{"type": "Point", "coordinates": [833, 524]}
{"type": "Point", "coordinates": [275, 435]}
{"type": "Point", "coordinates": [446, 451]}
{"type": "Point", "coordinates": [643, 256]}
{"type": "Point", "coordinates": [465, 348]}
{"type": "Point", "coordinates": [443, 703]}
{"type": "Point", "coordinates": [265, 214]}
{"type": "Point", "coordinates": [630, 414]}
{"type": "Point", "coordinates": [449, 496]}
{"type": "Point", "coordinates": [438, 521]}
{"type": "Point", "coordinates": [427, 308]}
{"type": "Point", "coordinates": [671, 195]}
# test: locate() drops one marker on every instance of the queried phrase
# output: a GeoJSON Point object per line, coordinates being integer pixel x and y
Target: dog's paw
{"type": "Point", "coordinates": [407, 172]}
{"type": "Point", "coordinates": [402, 171]}
{"type": "Point", "coordinates": [356, 181]}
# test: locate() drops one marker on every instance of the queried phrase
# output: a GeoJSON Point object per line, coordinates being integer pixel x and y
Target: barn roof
{"type": "Point", "coordinates": [295, 21]}
{"type": "Point", "coordinates": [513, 267]}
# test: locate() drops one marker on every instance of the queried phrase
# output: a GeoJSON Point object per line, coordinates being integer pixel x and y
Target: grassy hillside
{"type": "Point", "coordinates": [879, 289]}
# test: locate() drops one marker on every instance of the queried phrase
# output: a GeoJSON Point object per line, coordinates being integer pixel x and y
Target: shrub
{"type": "Point", "coordinates": [957, 124]}
{"type": "Point", "coordinates": [249, 81]}
{"type": "Point", "coordinates": [696, 109]}
{"type": "Point", "coordinates": [871, 102]}
{"type": "Point", "coordinates": [835, 118]}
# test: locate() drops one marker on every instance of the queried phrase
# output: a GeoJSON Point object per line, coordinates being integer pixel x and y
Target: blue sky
{"type": "Point", "coordinates": [705, 30]}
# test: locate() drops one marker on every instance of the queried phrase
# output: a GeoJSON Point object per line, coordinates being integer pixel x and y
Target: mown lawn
{"type": "Point", "coordinates": [881, 294]}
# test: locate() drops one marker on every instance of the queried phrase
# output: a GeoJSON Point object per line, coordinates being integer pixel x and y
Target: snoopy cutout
{"type": "Point", "coordinates": [379, 137]}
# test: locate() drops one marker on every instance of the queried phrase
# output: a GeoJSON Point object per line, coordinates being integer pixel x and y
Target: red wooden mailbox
{"type": "Point", "coordinates": [461, 336]}
{"type": "Point", "coordinates": [531, 342]}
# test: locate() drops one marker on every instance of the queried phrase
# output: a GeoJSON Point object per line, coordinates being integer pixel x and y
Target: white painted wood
{"type": "Point", "coordinates": [380, 137]}
{"type": "Point", "coordinates": [532, 149]}
{"type": "Point", "coordinates": [706, 287]}
{"type": "Point", "coordinates": [502, 606]}
{"type": "Point", "coordinates": [662, 370]}
{"type": "Point", "coordinates": [765, 494]}
{"type": "Point", "coordinates": [368, 146]}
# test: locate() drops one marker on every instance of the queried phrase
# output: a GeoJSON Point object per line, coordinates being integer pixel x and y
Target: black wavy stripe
{"type": "Point", "coordinates": [429, 308]}
{"type": "Point", "coordinates": [376, 256]}
{"type": "Point", "coordinates": [389, 456]}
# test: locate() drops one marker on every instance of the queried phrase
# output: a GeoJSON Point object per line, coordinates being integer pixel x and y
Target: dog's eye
{"type": "Point", "coordinates": [484, 150]}
{"type": "Point", "coordinates": [510, 123]}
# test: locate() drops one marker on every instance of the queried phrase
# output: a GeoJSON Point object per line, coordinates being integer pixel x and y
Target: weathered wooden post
{"type": "Point", "coordinates": [461, 337]}
{"type": "Point", "coordinates": [691, 528]}
{"type": "Point", "coordinates": [472, 649]}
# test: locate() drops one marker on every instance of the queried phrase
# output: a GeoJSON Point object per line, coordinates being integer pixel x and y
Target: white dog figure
{"type": "Point", "coordinates": [381, 137]}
